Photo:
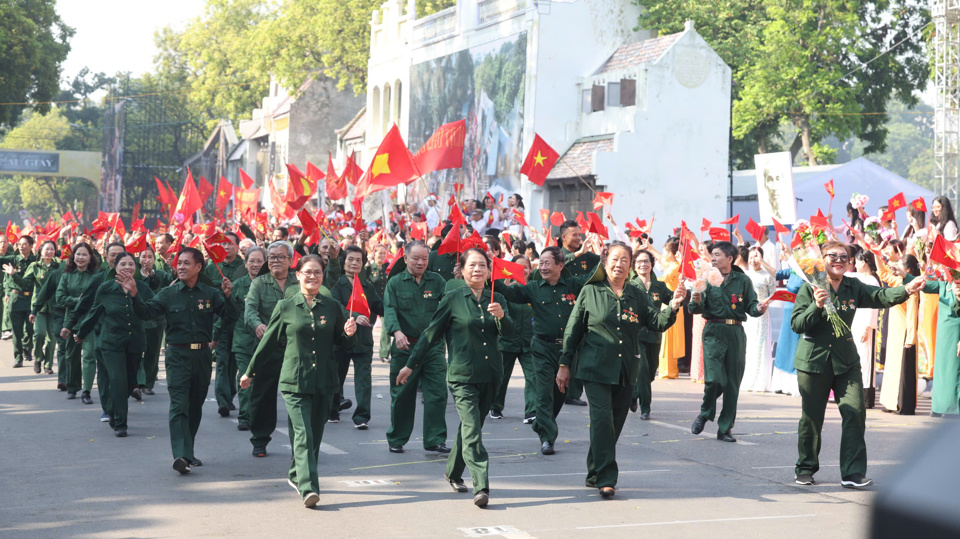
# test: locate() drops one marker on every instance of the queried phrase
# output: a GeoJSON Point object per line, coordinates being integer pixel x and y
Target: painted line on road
{"type": "Point", "coordinates": [878, 463]}
{"type": "Point", "coordinates": [703, 521]}
{"type": "Point", "coordinates": [496, 531]}
{"type": "Point", "coordinates": [444, 459]}
{"type": "Point", "coordinates": [573, 473]}
{"type": "Point", "coordinates": [687, 429]}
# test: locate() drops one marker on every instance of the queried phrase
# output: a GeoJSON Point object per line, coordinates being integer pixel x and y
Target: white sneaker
{"type": "Point", "coordinates": [311, 499]}
{"type": "Point", "coordinates": [293, 485]}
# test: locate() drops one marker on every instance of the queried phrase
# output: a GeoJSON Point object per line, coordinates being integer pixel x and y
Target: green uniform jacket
{"type": "Point", "coordinates": [732, 300]}
{"type": "Point", "coordinates": [45, 300]}
{"type": "Point", "coordinates": [159, 279]}
{"type": "Point", "coordinates": [375, 274]}
{"type": "Point", "coordinates": [551, 304]}
{"type": "Point", "coordinates": [659, 295]}
{"type": "Point", "coordinates": [307, 337]}
{"type": "Point", "coordinates": [818, 345]}
{"type": "Point", "coordinates": [342, 292]}
{"type": "Point", "coordinates": [38, 273]}
{"type": "Point", "coordinates": [120, 328]}
{"type": "Point", "coordinates": [263, 296]}
{"type": "Point", "coordinates": [72, 285]}
{"type": "Point", "coordinates": [407, 306]}
{"type": "Point", "coordinates": [578, 266]}
{"type": "Point", "coordinates": [229, 269]}
{"type": "Point", "coordinates": [442, 265]}
{"type": "Point", "coordinates": [85, 302]}
{"type": "Point", "coordinates": [472, 336]}
{"type": "Point", "coordinates": [519, 340]}
{"type": "Point", "coordinates": [19, 287]}
{"type": "Point", "coordinates": [604, 329]}
{"type": "Point", "coordinates": [244, 338]}
{"type": "Point", "coordinates": [189, 312]}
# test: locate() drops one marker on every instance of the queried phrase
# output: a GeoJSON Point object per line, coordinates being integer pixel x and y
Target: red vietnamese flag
{"type": "Point", "coordinates": [602, 199]}
{"type": "Point", "coordinates": [942, 253]}
{"type": "Point", "coordinates": [336, 185]}
{"type": "Point", "coordinates": [224, 193]}
{"type": "Point", "coordinates": [189, 201]}
{"type": "Point", "coordinates": [719, 234]}
{"type": "Point", "coordinates": [558, 218]}
{"type": "Point", "coordinates": [687, 268]}
{"type": "Point", "coordinates": [754, 230]}
{"type": "Point", "coordinates": [419, 231]}
{"type": "Point", "coordinates": [705, 225]}
{"type": "Point", "coordinates": [888, 215]}
{"type": "Point", "coordinates": [352, 171]}
{"type": "Point", "coordinates": [819, 221]}
{"type": "Point", "coordinates": [507, 270]}
{"type": "Point", "coordinates": [897, 202]}
{"type": "Point", "coordinates": [549, 239]}
{"type": "Point", "coordinates": [540, 160]}
{"type": "Point", "coordinates": [205, 229]}
{"type": "Point", "coordinates": [205, 189]}
{"type": "Point", "coordinates": [246, 200]}
{"type": "Point", "coordinates": [165, 198]}
{"type": "Point", "coordinates": [247, 180]}
{"type": "Point", "coordinates": [138, 245]}
{"type": "Point", "coordinates": [597, 226]}
{"type": "Point", "coordinates": [919, 204]}
{"type": "Point", "coordinates": [137, 226]}
{"type": "Point", "coordinates": [309, 224]}
{"type": "Point", "coordinates": [443, 150]}
{"type": "Point", "coordinates": [358, 299]}
{"type": "Point", "coordinates": [829, 187]}
{"type": "Point", "coordinates": [520, 217]}
{"type": "Point", "coordinates": [392, 165]}
{"type": "Point", "coordinates": [735, 220]}
{"type": "Point", "coordinates": [452, 201]}
{"type": "Point", "coordinates": [456, 216]}
{"type": "Point", "coordinates": [67, 217]}
{"type": "Point", "coordinates": [797, 241]}
{"type": "Point", "coordinates": [545, 217]}
{"type": "Point", "coordinates": [450, 244]}
{"type": "Point", "coordinates": [507, 239]}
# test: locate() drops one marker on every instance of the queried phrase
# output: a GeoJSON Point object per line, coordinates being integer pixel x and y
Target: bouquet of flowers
{"type": "Point", "coordinates": [808, 234]}
{"type": "Point", "coordinates": [871, 227]}
{"type": "Point", "coordinates": [858, 201]}
{"type": "Point", "coordinates": [920, 247]}
{"type": "Point", "coordinates": [706, 274]}
{"type": "Point", "coordinates": [886, 235]}
{"type": "Point", "coordinates": [807, 262]}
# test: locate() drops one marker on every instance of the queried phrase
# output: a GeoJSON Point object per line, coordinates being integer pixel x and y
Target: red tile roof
{"type": "Point", "coordinates": [579, 158]}
{"type": "Point", "coordinates": [642, 52]}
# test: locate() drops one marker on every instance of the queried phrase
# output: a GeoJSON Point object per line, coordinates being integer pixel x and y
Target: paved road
{"type": "Point", "coordinates": [63, 473]}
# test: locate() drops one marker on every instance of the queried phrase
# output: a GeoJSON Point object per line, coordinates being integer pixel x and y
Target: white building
{"type": "Point", "coordinates": [644, 117]}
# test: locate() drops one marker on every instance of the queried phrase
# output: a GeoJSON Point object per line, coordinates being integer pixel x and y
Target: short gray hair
{"type": "Point", "coordinates": [256, 249]}
{"type": "Point", "coordinates": [281, 244]}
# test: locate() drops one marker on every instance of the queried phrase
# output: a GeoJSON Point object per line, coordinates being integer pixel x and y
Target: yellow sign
{"type": "Point", "coordinates": [64, 163]}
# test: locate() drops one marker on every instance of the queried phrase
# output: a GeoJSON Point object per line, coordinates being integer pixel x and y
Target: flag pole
{"type": "Point", "coordinates": [594, 191]}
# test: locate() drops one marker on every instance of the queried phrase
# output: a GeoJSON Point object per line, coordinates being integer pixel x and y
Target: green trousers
{"type": "Point", "coordinates": [431, 375]}
{"type": "Point", "coordinates": [22, 334]}
{"type": "Point", "coordinates": [306, 417]}
{"type": "Point", "coordinates": [649, 361]}
{"type": "Point", "coordinates": [225, 383]}
{"type": "Point", "coordinates": [188, 379]}
{"type": "Point", "coordinates": [150, 364]}
{"type": "Point", "coordinates": [121, 367]}
{"type": "Point", "coordinates": [103, 381]}
{"type": "Point", "coordinates": [362, 381]}
{"type": "Point", "coordinates": [473, 403]}
{"type": "Point", "coordinates": [525, 359]}
{"type": "Point", "coordinates": [263, 400]}
{"type": "Point", "coordinates": [546, 363]}
{"type": "Point", "coordinates": [609, 406]}
{"type": "Point", "coordinates": [724, 358]}
{"type": "Point", "coordinates": [814, 393]}
{"type": "Point", "coordinates": [384, 351]}
{"type": "Point", "coordinates": [46, 339]}
{"type": "Point", "coordinates": [7, 300]}
{"type": "Point", "coordinates": [79, 361]}
{"type": "Point", "coordinates": [243, 395]}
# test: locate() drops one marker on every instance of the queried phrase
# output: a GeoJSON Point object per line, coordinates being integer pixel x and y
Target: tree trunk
{"type": "Point", "coordinates": [804, 126]}
{"type": "Point", "coordinates": [48, 183]}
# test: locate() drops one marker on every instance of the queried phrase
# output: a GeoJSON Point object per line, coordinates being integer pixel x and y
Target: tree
{"type": "Point", "coordinates": [34, 42]}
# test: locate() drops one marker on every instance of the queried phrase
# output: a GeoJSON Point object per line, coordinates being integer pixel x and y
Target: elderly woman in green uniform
{"type": "Point", "coordinates": [121, 338]}
{"type": "Point", "coordinates": [825, 362]}
{"type": "Point", "coordinates": [604, 327]}
{"type": "Point", "coordinates": [20, 295]}
{"type": "Point", "coordinates": [310, 325]}
{"type": "Point", "coordinates": [42, 316]}
{"type": "Point", "coordinates": [244, 341]}
{"type": "Point", "coordinates": [516, 348]}
{"type": "Point", "coordinates": [80, 270]}
{"type": "Point", "coordinates": [472, 323]}
{"type": "Point", "coordinates": [658, 294]}
{"type": "Point", "coordinates": [156, 278]}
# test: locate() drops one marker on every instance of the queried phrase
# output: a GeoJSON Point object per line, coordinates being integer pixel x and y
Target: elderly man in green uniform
{"type": "Point", "coordinates": [20, 295]}
{"type": "Point", "coordinates": [410, 299]}
{"type": "Point", "coordinates": [724, 308]}
{"type": "Point", "coordinates": [189, 307]}
{"type": "Point", "coordinates": [225, 381]}
{"type": "Point", "coordinates": [826, 361]}
{"type": "Point", "coordinates": [579, 262]}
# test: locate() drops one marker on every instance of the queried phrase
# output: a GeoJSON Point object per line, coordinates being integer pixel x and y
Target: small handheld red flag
{"type": "Point", "coordinates": [897, 202]}
{"type": "Point", "coordinates": [783, 295]}
{"type": "Point", "coordinates": [503, 269]}
{"type": "Point", "coordinates": [687, 268]}
{"type": "Point", "coordinates": [719, 234]}
{"type": "Point", "coordinates": [358, 299]}
{"type": "Point", "coordinates": [540, 160]}
{"type": "Point", "coordinates": [138, 245]}
{"type": "Point", "coordinates": [755, 230]}
{"type": "Point", "coordinates": [735, 220]}
{"type": "Point", "coordinates": [919, 204]}
{"type": "Point", "coordinates": [779, 229]}
{"type": "Point", "coordinates": [829, 187]}
{"type": "Point", "coordinates": [545, 217]}
{"type": "Point", "coordinates": [309, 225]}
{"type": "Point", "coordinates": [456, 216]}
{"type": "Point", "coordinates": [705, 225]}
{"type": "Point", "coordinates": [602, 199]}
{"type": "Point", "coordinates": [557, 218]}
{"type": "Point", "coordinates": [450, 244]}
{"type": "Point", "coordinates": [521, 219]}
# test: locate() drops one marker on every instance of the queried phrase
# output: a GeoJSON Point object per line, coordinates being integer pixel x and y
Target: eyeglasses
{"type": "Point", "coordinates": [838, 258]}
{"type": "Point", "coordinates": [312, 273]}
{"type": "Point", "coordinates": [275, 258]}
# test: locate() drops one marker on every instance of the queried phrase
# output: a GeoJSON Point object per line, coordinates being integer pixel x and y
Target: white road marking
{"type": "Point", "coordinates": [878, 463]}
{"type": "Point", "coordinates": [574, 473]}
{"type": "Point", "coordinates": [368, 483]}
{"type": "Point", "coordinates": [687, 429]}
{"type": "Point", "coordinates": [704, 521]}
{"type": "Point", "coordinates": [495, 531]}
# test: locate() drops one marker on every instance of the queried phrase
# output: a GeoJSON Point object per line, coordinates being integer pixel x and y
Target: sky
{"type": "Point", "coordinates": [117, 35]}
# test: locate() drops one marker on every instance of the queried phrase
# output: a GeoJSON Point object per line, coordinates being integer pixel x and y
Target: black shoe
{"type": "Point", "coordinates": [85, 398]}
{"type": "Point", "coordinates": [182, 465]}
{"type": "Point", "coordinates": [18, 364]}
{"type": "Point", "coordinates": [634, 405]}
{"type": "Point", "coordinates": [224, 411]}
{"type": "Point", "coordinates": [547, 448]}
{"type": "Point", "coordinates": [645, 416]}
{"type": "Point", "coordinates": [481, 499]}
{"type": "Point", "coordinates": [232, 406]}
{"type": "Point", "coordinates": [243, 426]}
{"type": "Point", "coordinates": [698, 424]}
{"type": "Point", "coordinates": [334, 417]}
{"type": "Point", "coordinates": [608, 492]}
{"type": "Point", "coordinates": [529, 418]}
{"type": "Point", "coordinates": [804, 479]}
{"type": "Point", "coordinates": [61, 386]}
{"type": "Point", "coordinates": [260, 452]}
{"type": "Point", "coordinates": [456, 484]}
{"type": "Point", "coordinates": [726, 437]}
{"type": "Point", "coordinates": [36, 367]}
{"type": "Point", "coordinates": [195, 462]}
{"type": "Point", "coordinates": [148, 392]}
{"type": "Point", "coordinates": [345, 404]}
{"type": "Point", "coordinates": [496, 414]}
{"type": "Point", "coordinates": [590, 483]}
{"type": "Point", "coordinates": [48, 370]}
{"type": "Point", "coordinates": [396, 449]}
{"type": "Point", "coordinates": [857, 480]}
{"type": "Point", "coordinates": [120, 434]}
{"type": "Point", "coordinates": [442, 449]}
{"type": "Point", "coordinates": [71, 395]}
{"type": "Point", "coordinates": [136, 394]}
{"type": "Point", "coordinates": [575, 402]}
{"type": "Point", "coordinates": [27, 356]}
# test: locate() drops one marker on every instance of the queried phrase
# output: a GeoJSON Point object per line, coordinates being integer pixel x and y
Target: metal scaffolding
{"type": "Point", "coordinates": [946, 145]}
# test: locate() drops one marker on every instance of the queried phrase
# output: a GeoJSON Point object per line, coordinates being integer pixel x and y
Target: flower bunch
{"type": "Point", "coordinates": [858, 201]}
{"type": "Point", "coordinates": [706, 274]}
{"type": "Point", "coordinates": [871, 227]}
{"type": "Point", "coordinates": [887, 234]}
{"type": "Point", "coordinates": [807, 233]}
{"type": "Point", "coordinates": [920, 247]}
{"type": "Point", "coordinates": [807, 262]}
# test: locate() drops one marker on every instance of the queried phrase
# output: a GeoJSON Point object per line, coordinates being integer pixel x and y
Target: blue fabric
{"type": "Point", "coordinates": [787, 344]}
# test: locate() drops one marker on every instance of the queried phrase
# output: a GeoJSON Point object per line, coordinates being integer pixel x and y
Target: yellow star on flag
{"type": "Point", "coordinates": [306, 186]}
{"type": "Point", "coordinates": [381, 165]}
{"type": "Point", "coordinates": [223, 193]}
{"type": "Point", "coordinates": [539, 158]}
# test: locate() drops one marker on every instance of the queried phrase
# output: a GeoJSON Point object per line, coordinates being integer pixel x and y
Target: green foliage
{"type": "Point", "coordinates": [500, 75]}
{"type": "Point", "coordinates": [33, 45]}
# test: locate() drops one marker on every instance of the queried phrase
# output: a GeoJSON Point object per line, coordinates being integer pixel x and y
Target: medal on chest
{"type": "Point", "coordinates": [203, 304]}
{"type": "Point", "coordinates": [629, 315]}
{"type": "Point", "coordinates": [427, 294]}
{"type": "Point", "coordinates": [323, 320]}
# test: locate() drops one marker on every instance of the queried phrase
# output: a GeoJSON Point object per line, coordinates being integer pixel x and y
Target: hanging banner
{"type": "Point", "coordinates": [775, 188]}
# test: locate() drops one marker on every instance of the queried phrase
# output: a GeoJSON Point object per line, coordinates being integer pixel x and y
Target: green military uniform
{"type": "Point", "coordinates": [72, 320]}
{"type": "Point", "coordinates": [442, 264]}
{"type": "Point", "coordinates": [826, 362]}
{"type": "Point", "coordinates": [308, 375]}
{"type": "Point", "coordinates": [376, 274]}
{"type": "Point", "coordinates": [189, 314]}
{"type": "Point", "coordinates": [659, 295]}
{"type": "Point", "coordinates": [153, 332]}
{"type": "Point", "coordinates": [5, 325]}
{"type": "Point", "coordinates": [604, 328]}
{"type": "Point", "coordinates": [120, 339]}
{"type": "Point", "coordinates": [408, 307]}
{"type": "Point", "coordinates": [225, 380]}
{"type": "Point", "coordinates": [361, 353]}
{"type": "Point", "coordinates": [552, 305]}
{"type": "Point", "coordinates": [244, 343]}
{"type": "Point", "coordinates": [578, 266]}
{"type": "Point", "coordinates": [725, 308]}
{"type": "Point", "coordinates": [71, 286]}
{"type": "Point", "coordinates": [473, 374]}
{"type": "Point", "coordinates": [20, 294]}
{"type": "Point", "coordinates": [46, 326]}
{"type": "Point", "coordinates": [516, 348]}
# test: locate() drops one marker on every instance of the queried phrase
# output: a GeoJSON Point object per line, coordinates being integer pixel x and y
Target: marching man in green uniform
{"type": "Point", "coordinates": [225, 381]}
{"type": "Point", "coordinates": [45, 323]}
{"type": "Point", "coordinates": [827, 362]}
{"type": "Point", "coordinates": [20, 294]}
{"type": "Point", "coordinates": [580, 263]}
{"type": "Point", "coordinates": [724, 308]}
{"type": "Point", "coordinates": [410, 300]}
{"type": "Point", "coordinates": [189, 308]}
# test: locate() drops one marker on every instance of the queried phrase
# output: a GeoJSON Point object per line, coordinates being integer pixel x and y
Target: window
{"type": "Point", "coordinates": [585, 101]}
{"type": "Point", "coordinates": [596, 98]}
{"type": "Point", "coordinates": [628, 92]}
{"type": "Point", "coordinates": [613, 94]}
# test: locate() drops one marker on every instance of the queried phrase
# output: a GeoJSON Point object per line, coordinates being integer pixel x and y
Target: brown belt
{"type": "Point", "coordinates": [724, 321]}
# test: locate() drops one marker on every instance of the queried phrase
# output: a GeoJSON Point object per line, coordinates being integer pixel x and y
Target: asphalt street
{"type": "Point", "coordinates": [64, 474]}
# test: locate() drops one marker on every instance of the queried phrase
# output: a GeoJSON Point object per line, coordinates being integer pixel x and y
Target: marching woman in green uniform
{"type": "Point", "coordinates": [80, 270]}
{"type": "Point", "coordinates": [471, 321]}
{"type": "Point", "coordinates": [20, 295]}
{"type": "Point", "coordinates": [516, 348]}
{"type": "Point", "coordinates": [45, 301]}
{"type": "Point", "coordinates": [45, 325]}
{"type": "Point", "coordinates": [121, 338]}
{"type": "Point", "coordinates": [658, 293]}
{"type": "Point", "coordinates": [156, 279]}
{"type": "Point", "coordinates": [826, 362]}
{"type": "Point", "coordinates": [189, 307]}
{"type": "Point", "coordinates": [306, 326]}
{"type": "Point", "coordinates": [604, 327]}
{"type": "Point", "coordinates": [244, 342]}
